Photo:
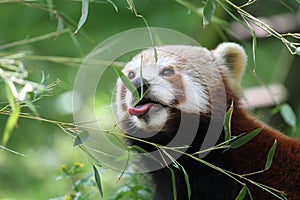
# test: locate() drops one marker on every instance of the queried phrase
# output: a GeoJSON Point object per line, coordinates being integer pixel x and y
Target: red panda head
{"type": "Point", "coordinates": [177, 79]}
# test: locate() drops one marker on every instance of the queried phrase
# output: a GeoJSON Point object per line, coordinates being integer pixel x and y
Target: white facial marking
{"type": "Point", "coordinates": [119, 101]}
{"type": "Point", "coordinates": [196, 99]}
{"type": "Point", "coordinates": [166, 61]}
{"type": "Point", "coordinates": [158, 119]}
{"type": "Point", "coordinates": [162, 90]}
{"type": "Point", "coordinates": [155, 123]}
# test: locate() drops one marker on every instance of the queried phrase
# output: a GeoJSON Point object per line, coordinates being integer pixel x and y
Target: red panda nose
{"type": "Point", "coordinates": [141, 84]}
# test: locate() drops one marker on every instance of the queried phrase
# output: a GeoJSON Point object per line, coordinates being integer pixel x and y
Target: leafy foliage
{"type": "Point", "coordinates": [19, 92]}
{"type": "Point", "coordinates": [79, 183]}
{"type": "Point", "coordinates": [135, 189]}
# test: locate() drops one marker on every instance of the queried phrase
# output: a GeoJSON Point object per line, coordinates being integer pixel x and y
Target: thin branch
{"type": "Point", "coordinates": [32, 40]}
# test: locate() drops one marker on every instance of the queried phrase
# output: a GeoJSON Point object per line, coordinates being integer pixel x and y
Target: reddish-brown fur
{"type": "Point", "coordinates": [284, 174]}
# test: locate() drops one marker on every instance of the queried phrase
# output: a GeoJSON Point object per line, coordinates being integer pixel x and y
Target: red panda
{"type": "Point", "coordinates": [185, 90]}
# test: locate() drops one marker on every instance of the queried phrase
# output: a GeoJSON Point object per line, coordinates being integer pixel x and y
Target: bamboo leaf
{"type": "Point", "coordinates": [84, 14]}
{"type": "Point", "coordinates": [242, 193]}
{"type": "Point", "coordinates": [13, 117]}
{"type": "Point", "coordinates": [187, 182]}
{"type": "Point", "coordinates": [244, 139]}
{"type": "Point", "coordinates": [208, 11]}
{"type": "Point", "coordinates": [271, 155]}
{"type": "Point", "coordinates": [141, 77]}
{"type": "Point", "coordinates": [249, 194]}
{"type": "Point", "coordinates": [288, 115]}
{"type": "Point", "coordinates": [11, 123]}
{"type": "Point", "coordinates": [81, 138]}
{"type": "Point", "coordinates": [138, 149]}
{"type": "Point", "coordinates": [227, 123]}
{"type": "Point", "coordinates": [173, 184]}
{"type": "Point", "coordinates": [127, 83]}
{"type": "Point", "coordinates": [98, 180]}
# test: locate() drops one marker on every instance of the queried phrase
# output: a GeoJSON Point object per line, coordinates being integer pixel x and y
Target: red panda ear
{"type": "Point", "coordinates": [234, 58]}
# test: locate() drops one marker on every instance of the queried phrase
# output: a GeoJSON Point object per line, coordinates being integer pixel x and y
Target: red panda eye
{"type": "Point", "coordinates": [167, 72]}
{"type": "Point", "coordinates": [131, 75]}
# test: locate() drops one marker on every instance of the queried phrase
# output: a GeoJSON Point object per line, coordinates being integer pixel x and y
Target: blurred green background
{"type": "Point", "coordinates": [45, 145]}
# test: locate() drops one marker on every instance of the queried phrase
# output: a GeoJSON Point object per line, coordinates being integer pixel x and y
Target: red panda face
{"type": "Point", "coordinates": [170, 83]}
{"type": "Point", "coordinates": [181, 78]}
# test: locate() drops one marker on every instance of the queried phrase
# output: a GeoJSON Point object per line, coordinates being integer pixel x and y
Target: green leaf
{"type": "Point", "coordinates": [155, 50]}
{"type": "Point", "coordinates": [242, 193]}
{"type": "Point", "coordinates": [81, 138]}
{"type": "Point", "coordinates": [98, 180]}
{"type": "Point", "coordinates": [127, 83]}
{"type": "Point", "coordinates": [271, 155]}
{"type": "Point", "coordinates": [141, 77]}
{"type": "Point", "coordinates": [11, 123]}
{"type": "Point", "coordinates": [244, 139]}
{"type": "Point", "coordinates": [138, 149]}
{"type": "Point", "coordinates": [249, 194]}
{"type": "Point", "coordinates": [13, 117]}
{"type": "Point", "coordinates": [227, 123]}
{"type": "Point", "coordinates": [208, 11]}
{"type": "Point", "coordinates": [187, 182]}
{"type": "Point", "coordinates": [84, 14]}
{"type": "Point", "coordinates": [288, 115]}
{"type": "Point", "coordinates": [173, 184]}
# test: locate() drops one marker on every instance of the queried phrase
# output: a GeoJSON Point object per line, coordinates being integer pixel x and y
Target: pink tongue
{"type": "Point", "coordinates": [140, 110]}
